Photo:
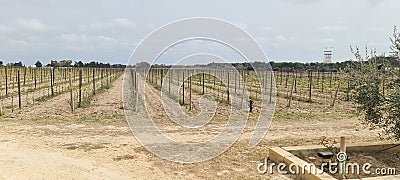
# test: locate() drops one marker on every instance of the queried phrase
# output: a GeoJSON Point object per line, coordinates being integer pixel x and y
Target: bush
{"type": "Point", "coordinates": [376, 89]}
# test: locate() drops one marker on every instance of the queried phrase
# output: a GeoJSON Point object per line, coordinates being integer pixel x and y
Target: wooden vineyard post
{"type": "Point", "coordinates": [88, 75]}
{"type": "Point", "coordinates": [133, 75]}
{"type": "Point", "coordinates": [161, 77]}
{"type": "Point", "coordinates": [158, 75]}
{"type": "Point", "coordinates": [19, 90]}
{"type": "Point", "coordinates": [287, 77]}
{"type": "Point", "coordinates": [244, 88]}
{"type": "Point", "coordinates": [73, 74]}
{"type": "Point", "coordinates": [336, 93]}
{"type": "Point", "coordinates": [151, 77]}
{"type": "Point", "coordinates": [348, 90]}
{"type": "Point", "coordinates": [24, 75]}
{"type": "Point", "coordinates": [71, 93]}
{"type": "Point", "coordinates": [94, 83]}
{"type": "Point", "coordinates": [235, 72]}
{"type": "Point", "coordinates": [295, 81]}
{"type": "Point", "coordinates": [301, 88]}
{"type": "Point", "coordinates": [228, 89]}
{"type": "Point", "coordinates": [80, 88]}
{"type": "Point", "coordinates": [1, 107]}
{"type": "Point", "coordinates": [203, 81]}
{"type": "Point", "coordinates": [190, 92]}
{"type": "Point", "coordinates": [34, 71]}
{"type": "Point", "coordinates": [52, 81]}
{"type": "Point", "coordinates": [215, 73]}
{"type": "Point", "coordinates": [323, 81]}
{"type": "Point", "coordinates": [219, 87]}
{"type": "Point", "coordinates": [106, 75]}
{"type": "Point", "coordinates": [169, 80]}
{"type": "Point", "coordinates": [183, 87]}
{"type": "Point", "coordinates": [12, 98]}
{"type": "Point", "coordinates": [41, 75]}
{"type": "Point", "coordinates": [101, 76]}
{"type": "Point", "coordinates": [240, 75]}
{"type": "Point", "coordinates": [310, 74]}
{"type": "Point", "coordinates": [136, 81]}
{"type": "Point", "coordinates": [6, 80]}
{"type": "Point", "coordinates": [383, 85]}
{"type": "Point", "coordinates": [291, 91]}
{"type": "Point", "coordinates": [263, 87]}
{"type": "Point", "coordinates": [271, 86]}
{"type": "Point", "coordinates": [247, 79]}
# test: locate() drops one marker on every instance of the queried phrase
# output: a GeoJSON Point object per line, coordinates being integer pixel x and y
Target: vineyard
{"type": "Point", "coordinates": [25, 87]}
{"type": "Point", "coordinates": [97, 135]}
{"type": "Point", "coordinates": [309, 104]}
{"type": "Point", "coordinates": [296, 89]}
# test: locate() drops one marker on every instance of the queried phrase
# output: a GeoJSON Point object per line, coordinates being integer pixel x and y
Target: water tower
{"type": "Point", "coordinates": [328, 55]}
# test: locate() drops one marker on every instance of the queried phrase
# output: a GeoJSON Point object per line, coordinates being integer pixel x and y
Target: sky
{"type": "Point", "coordinates": [109, 30]}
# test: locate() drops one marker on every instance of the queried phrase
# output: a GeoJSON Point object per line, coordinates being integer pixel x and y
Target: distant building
{"type": "Point", "coordinates": [327, 55]}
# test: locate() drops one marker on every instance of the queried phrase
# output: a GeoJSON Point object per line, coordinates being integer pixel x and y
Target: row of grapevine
{"type": "Point", "coordinates": [23, 87]}
{"type": "Point", "coordinates": [324, 88]}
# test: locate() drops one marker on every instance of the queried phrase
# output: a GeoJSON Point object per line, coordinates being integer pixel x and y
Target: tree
{"type": "Point", "coordinates": [79, 64]}
{"type": "Point", "coordinates": [64, 63]}
{"type": "Point", "coordinates": [142, 65]}
{"type": "Point", "coordinates": [53, 63]}
{"type": "Point", "coordinates": [18, 64]}
{"type": "Point", "coordinates": [395, 42]}
{"type": "Point", "coordinates": [38, 64]}
{"type": "Point", "coordinates": [377, 95]}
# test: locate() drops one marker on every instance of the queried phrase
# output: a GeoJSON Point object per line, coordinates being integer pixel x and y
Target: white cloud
{"type": "Point", "coordinates": [122, 23]}
{"type": "Point", "coordinates": [25, 28]}
{"type": "Point", "coordinates": [151, 25]}
{"type": "Point", "coordinates": [39, 2]}
{"type": "Point", "coordinates": [280, 38]}
{"type": "Point", "coordinates": [106, 38]}
{"type": "Point", "coordinates": [5, 28]}
{"type": "Point", "coordinates": [381, 29]}
{"type": "Point", "coordinates": [265, 29]}
{"type": "Point", "coordinates": [332, 28]}
{"type": "Point", "coordinates": [17, 42]}
{"type": "Point", "coordinates": [326, 40]}
{"type": "Point", "coordinates": [31, 25]}
{"type": "Point", "coordinates": [73, 38]}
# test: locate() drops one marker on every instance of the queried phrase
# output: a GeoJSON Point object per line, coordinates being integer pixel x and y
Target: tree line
{"type": "Point", "coordinates": [67, 63]}
{"type": "Point", "coordinates": [386, 61]}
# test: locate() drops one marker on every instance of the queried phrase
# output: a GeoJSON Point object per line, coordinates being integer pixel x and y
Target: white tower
{"type": "Point", "coordinates": [328, 55]}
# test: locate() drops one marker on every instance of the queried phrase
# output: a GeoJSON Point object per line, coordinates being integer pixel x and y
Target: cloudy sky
{"type": "Point", "coordinates": [109, 30]}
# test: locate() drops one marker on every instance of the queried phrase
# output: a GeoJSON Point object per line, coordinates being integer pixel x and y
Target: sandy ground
{"type": "Point", "coordinates": [48, 141]}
